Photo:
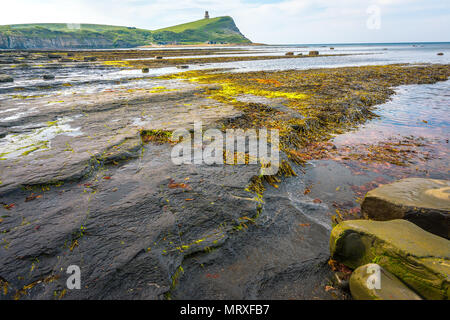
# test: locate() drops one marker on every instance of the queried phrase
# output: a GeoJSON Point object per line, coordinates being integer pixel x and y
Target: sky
{"type": "Point", "coordinates": [262, 21]}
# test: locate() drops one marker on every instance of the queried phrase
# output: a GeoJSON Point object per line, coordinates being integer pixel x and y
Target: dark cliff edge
{"type": "Point", "coordinates": [57, 42]}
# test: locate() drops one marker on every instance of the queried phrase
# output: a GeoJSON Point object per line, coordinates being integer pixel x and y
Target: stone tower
{"type": "Point", "coordinates": [206, 15]}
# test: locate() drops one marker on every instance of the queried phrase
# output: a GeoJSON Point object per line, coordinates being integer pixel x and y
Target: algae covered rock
{"type": "Point", "coordinates": [5, 78]}
{"type": "Point", "coordinates": [418, 258]}
{"type": "Point", "coordinates": [425, 202]}
{"type": "Point", "coordinates": [373, 282]}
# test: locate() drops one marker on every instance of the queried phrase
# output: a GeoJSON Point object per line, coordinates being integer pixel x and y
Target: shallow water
{"type": "Point", "coordinates": [14, 145]}
{"type": "Point", "coordinates": [377, 54]}
{"type": "Point", "coordinates": [419, 110]}
{"type": "Point", "coordinates": [363, 54]}
{"type": "Point", "coordinates": [415, 113]}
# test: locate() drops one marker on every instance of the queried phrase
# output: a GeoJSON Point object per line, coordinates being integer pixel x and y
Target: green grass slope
{"type": "Point", "coordinates": [219, 30]}
{"type": "Point", "coordinates": [61, 35]}
{"type": "Point", "coordinates": [193, 25]}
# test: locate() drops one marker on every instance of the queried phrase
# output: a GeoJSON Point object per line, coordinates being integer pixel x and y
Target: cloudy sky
{"type": "Point", "coordinates": [265, 21]}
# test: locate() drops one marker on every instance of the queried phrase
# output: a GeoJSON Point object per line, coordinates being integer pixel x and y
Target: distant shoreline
{"type": "Point", "coordinates": [217, 45]}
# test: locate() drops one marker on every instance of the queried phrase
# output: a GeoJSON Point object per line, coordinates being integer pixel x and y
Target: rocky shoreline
{"type": "Point", "coordinates": [94, 191]}
{"type": "Point", "coordinates": [413, 261]}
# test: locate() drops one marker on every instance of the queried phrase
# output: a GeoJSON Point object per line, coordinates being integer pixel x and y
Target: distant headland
{"type": "Point", "coordinates": [220, 30]}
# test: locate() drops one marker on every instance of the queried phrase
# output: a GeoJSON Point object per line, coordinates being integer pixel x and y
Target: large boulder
{"type": "Point", "coordinates": [54, 56]}
{"type": "Point", "coordinates": [425, 202]}
{"type": "Point", "coordinates": [5, 78]}
{"type": "Point", "coordinates": [418, 258]}
{"type": "Point", "coordinates": [385, 287]}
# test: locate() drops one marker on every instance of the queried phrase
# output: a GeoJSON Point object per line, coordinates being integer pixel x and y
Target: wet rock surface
{"type": "Point", "coordinates": [135, 236]}
{"type": "Point", "coordinates": [138, 226]}
{"type": "Point", "coordinates": [425, 202]}
{"type": "Point", "coordinates": [418, 258]}
{"type": "Point", "coordinates": [282, 256]}
{"type": "Point", "coordinates": [124, 231]}
{"type": "Point", "coordinates": [389, 287]}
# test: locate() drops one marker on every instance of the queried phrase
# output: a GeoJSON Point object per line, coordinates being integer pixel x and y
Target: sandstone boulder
{"type": "Point", "coordinates": [54, 56]}
{"type": "Point", "coordinates": [314, 53]}
{"type": "Point", "coordinates": [289, 54]}
{"type": "Point", "coordinates": [418, 258]}
{"type": "Point", "coordinates": [385, 286]}
{"type": "Point", "coordinates": [425, 202]}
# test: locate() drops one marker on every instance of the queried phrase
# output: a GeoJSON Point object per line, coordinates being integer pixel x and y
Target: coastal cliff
{"type": "Point", "coordinates": [90, 36]}
{"type": "Point", "coordinates": [57, 42]}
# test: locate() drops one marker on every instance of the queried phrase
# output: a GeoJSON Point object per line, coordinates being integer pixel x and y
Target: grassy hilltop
{"type": "Point", "coordinates": [61, 35]}
{"type": "Point", "coordinates": [220, 29]}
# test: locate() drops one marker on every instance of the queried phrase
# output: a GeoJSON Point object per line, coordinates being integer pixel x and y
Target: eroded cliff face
{"type": "Point", "coordinates": [59, 42]}
{"type": "Point", "coordinates": [60, 36]}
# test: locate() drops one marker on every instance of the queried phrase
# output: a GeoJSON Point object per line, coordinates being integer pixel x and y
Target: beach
{"type": "Point", "coordinates": [87, 177]}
